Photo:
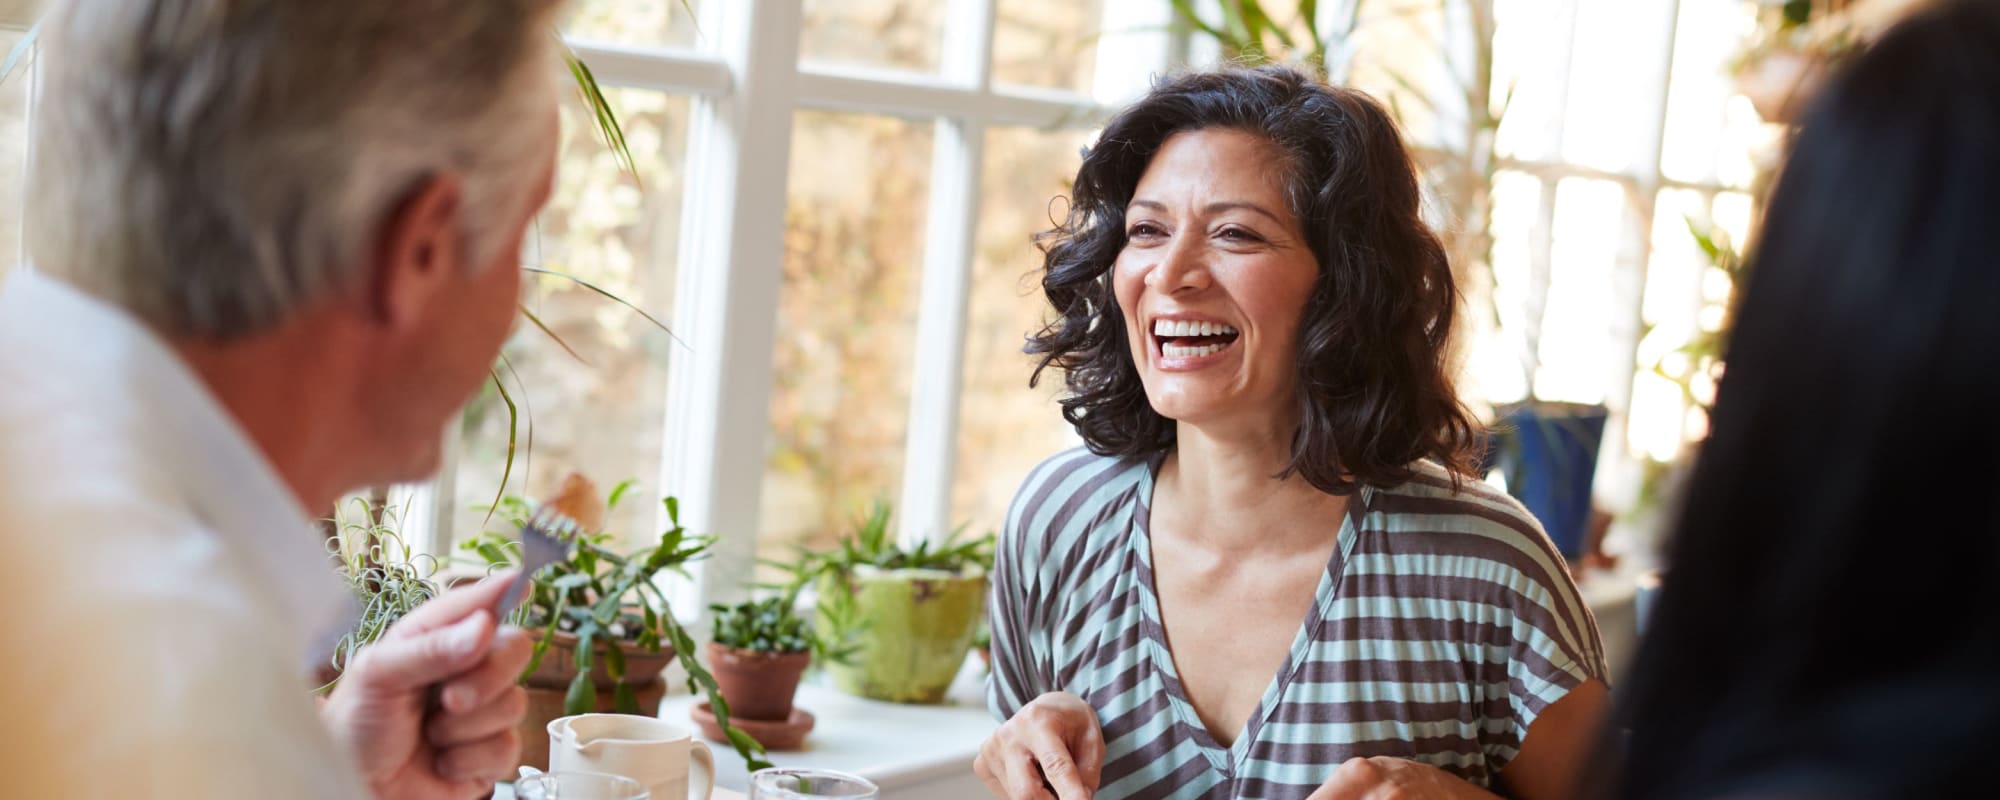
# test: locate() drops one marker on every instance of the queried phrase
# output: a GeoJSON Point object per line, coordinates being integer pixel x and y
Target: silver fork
{"type": "Point", "coordinates": [544, 541]}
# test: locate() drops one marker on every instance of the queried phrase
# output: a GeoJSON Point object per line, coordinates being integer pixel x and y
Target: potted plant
{"type": "Point", "coordinates": [604, 631]}
{"type": "Point", "coordinates": [921, 606]}
{"type": "Point", "coordinates": [759, 651]}
{"type": "Point", "coordinates": [388, 577]}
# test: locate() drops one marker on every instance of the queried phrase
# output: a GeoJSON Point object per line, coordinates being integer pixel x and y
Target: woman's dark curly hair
{"type": "Point", "coordinates": [1374, 387]}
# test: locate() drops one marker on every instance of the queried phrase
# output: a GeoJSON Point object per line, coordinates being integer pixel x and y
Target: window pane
{"type": "Point", "coordinates": [1497, 368]}
{"type": "Point", "coordinates": [601, 415]}
{"type": "Point", "coordinates": [1616, 73]}
{"type": "Point", "coordinates": [1673, 299]}
{"type": "Point", "coordinates": [1398, 58]}
{"type": "Point", "coordinates": [898, 34]}
{"type": "Point", "coordinates": [1005, 428]}
{"type": "Point", "coordinates": [1050, 43]}
{"type": "Point", "coordinates": [840, 393]}
{"type": "Point", "coordinates": [13, 154]}
{"type": "Point", "coordinates": [1576, 328]}
{"type": "Point", "coordinates": [1530, 54]}
{"type": "Point", "coordinates": [641, 23]}
{"type": "Point", "coordinates": [1711, 131]}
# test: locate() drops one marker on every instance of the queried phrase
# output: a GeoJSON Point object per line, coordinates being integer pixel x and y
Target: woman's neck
{"type": "Point", "coordinates": [1225, 491]}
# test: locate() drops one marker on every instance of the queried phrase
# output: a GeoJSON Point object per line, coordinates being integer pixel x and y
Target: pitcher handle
{"type": "Point", "coordinates": [700, 754]}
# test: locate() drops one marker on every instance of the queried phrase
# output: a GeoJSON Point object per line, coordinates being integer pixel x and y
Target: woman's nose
{"type": "Point", "coordinates": [1183, 266]}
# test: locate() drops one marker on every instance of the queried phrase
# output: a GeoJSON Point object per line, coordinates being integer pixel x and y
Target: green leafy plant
{"type": "Point", "coordinates": [1702, 355]}
{"type": "Point", "coordinates": [388, 577]}
{"type": "Point", "coordinates": [605, 597]}
{"type": "Point", "coordinates": [1250, 32]}
{"type": "Point", "coordinates": [872, 544]}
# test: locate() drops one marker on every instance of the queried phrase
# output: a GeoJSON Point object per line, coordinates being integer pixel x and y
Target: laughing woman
{"type": "Point", "coordinates": [1269, 574]}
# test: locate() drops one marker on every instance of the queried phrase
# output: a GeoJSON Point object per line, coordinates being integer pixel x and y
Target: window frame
{"type": "Point", "coordinates": [747, 81]}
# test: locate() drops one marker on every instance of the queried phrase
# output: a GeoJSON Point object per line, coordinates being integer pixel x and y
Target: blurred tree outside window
{"type": "Point", "coordinates": [847, 318]}
{"type": "Point", "coordinates": [637, 23]}
{"type": "Point", "coordinates": [1048, 44]}
{"type": "Point", "coordinates": [879, 34]}
{"type": "Point", "coordinates": [1005, 428]}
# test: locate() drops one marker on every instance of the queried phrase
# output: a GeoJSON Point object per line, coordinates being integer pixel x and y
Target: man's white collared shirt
{"type": "Point", "coordinates": [163, 590]}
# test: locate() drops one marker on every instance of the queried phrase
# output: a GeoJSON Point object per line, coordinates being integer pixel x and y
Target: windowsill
{"type": "Point", "coordinates": [910, 751]}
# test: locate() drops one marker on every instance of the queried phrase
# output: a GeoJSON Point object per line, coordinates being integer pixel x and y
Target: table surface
{"type": "Point", "coordinates": [506, 792]}
{"type": "Point", "coordinates": [892, 744]}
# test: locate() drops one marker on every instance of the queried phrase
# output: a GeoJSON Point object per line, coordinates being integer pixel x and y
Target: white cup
{"type": "Point", "coordinates": [667, 758]}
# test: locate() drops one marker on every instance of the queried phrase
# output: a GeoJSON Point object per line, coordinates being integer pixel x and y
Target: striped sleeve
{"type": "Point", "coordinates": [1020, 655]}
{"type": "Point", "coordinates": [1555, 640]}
{"type": "Point", "coordinates": [1556, 646]}
{"type": "Point", "coordinates": [1481, 550]}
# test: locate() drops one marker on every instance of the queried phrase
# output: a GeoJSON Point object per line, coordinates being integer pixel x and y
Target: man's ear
{"type": "Point", "coordinates": [419, 252]}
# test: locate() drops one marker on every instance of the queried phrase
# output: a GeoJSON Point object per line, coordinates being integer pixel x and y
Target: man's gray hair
{"type": "Point", "coordinates": [213, 165]}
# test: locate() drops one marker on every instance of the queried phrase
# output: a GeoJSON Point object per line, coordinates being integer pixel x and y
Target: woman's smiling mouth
{"type": "Point", "coordinates": [1191, 343]}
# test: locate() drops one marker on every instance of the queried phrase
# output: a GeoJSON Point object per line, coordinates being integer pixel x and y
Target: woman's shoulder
{"type": "Point", "coordinates": [1078, 471]}
{"type": "Point", "coordinates": [1435, 514]}
{"type": "Point", "coordinates": [1071, 492]}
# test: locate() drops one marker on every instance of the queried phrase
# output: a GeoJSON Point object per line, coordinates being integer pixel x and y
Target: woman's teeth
{"type": "Point", "coordinates": [1184, 327]}
{"type": "Point", "coordinates": [1183, 351]}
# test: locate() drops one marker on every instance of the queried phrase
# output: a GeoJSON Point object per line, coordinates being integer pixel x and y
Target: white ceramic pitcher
{"type": "Point", "coordinates": [667, 758]}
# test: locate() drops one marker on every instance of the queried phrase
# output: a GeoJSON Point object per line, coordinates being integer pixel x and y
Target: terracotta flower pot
{"type": "Point", "coordinates": [758, 686]}
{"type": "Point", "coordinates": [558, 665]}
{"type": "Point", "coordinates": [548, 685]}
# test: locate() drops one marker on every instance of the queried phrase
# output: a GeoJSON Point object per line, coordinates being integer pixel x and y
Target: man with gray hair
{"type": "Point", "coordinates": [273, 249]}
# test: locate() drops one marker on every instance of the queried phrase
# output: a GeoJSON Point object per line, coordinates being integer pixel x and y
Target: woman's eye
{"type": "Point", "coordinates": [1238, 235]}
{"type": "Point", "coordinates": [1144, 230]}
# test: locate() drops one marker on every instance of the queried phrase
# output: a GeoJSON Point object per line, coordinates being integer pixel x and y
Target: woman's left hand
{"type": "Point", "coordinates": [1386, 778]}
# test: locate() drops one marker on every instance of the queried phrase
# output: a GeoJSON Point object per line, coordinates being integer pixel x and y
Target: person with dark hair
{"type": "Point", "coordinates": [1827, 626]}
{"type": "Point", "coordinates": [1269, 574]}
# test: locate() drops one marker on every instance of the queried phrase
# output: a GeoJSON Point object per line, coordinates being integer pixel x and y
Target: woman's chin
{"type": "Point", "coordinates": [1189, 407]}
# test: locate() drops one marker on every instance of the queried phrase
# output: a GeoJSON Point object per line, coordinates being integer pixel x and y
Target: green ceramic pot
{"type": "Point", "coordinates": [920, 628]}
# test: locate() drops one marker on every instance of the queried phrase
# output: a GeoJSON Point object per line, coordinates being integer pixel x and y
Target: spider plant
{"type": "Point", "coordinates": [387, 576]}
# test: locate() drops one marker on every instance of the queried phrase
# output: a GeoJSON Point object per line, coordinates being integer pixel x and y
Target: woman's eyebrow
{"type": "Point", "coordinates": [1211, 208]}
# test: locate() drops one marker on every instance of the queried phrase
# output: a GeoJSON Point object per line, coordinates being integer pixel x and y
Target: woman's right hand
{"type": "Point", "coordinates": [1052, 744]}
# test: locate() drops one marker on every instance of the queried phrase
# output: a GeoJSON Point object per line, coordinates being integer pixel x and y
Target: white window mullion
{"type": "Point", "coordinates": [659, 70]}
{"type": "Point", "coordinates": [1617, 471]}
{"type": "Point", "coordinates": [1142, 32]}
{"type": "Point", "coordinates": [732, 254]}
{"type": "Point", "coordinates": [437, 501]}
{"type": "Point", "coordinates": [930, 452]}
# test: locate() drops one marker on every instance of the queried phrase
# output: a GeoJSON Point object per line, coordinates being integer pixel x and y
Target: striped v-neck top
{"type": "Point", "coordinates": [1445, 621]}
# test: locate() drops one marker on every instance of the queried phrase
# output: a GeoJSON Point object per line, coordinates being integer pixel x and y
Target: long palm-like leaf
{"type": "Point", "coordinates": [1263, 22]}
{"type": "Point", "coordinates": [528, 409]}
{"type": "Point", "coordinates": [601, 112]}
{"type": "Point", "coordinates": [614, 298]}
{"type": "Point", "coordinates": [506, 468]}
{"type": "Point", "coordinates": [1309, 17]}
{"type": "Point", "coordinates": [1185, 8]}
{"type": "Point", "coordinates": [530, 315]}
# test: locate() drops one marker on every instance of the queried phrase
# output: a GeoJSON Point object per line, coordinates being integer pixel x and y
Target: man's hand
{"type": "Point", "coordinates": [428, 711]}
{"type": "Point", "coordinates": [1385, 778]}
{"type": "Point", "coordinates": [1052, 742]}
